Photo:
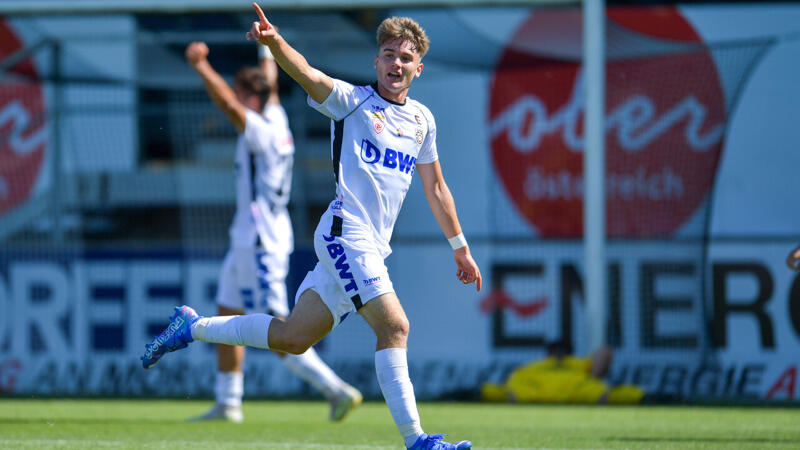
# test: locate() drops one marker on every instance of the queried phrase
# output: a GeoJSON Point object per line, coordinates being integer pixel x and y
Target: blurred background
{"type": "Point", "coordinates": [117, 189]}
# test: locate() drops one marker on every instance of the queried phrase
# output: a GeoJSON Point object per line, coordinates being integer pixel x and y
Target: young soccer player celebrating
{"type": "Point", "coordinates": [380, 136]}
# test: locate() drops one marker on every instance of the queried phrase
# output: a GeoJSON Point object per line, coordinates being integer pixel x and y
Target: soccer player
{"type": "Point", "coordinates": [380, 137]}
{"type": "Point", "coordinates": [253, 273]}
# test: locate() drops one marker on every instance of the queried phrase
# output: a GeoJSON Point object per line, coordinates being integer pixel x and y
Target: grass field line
{"type": "Point", "coordinates": [185, 444]}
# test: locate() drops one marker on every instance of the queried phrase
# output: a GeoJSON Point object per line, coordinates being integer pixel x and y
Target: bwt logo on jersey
{"type": "Point", "coordinates": [664, 122]}
{"type": "Point", "coordinates": [336, 252]}
{"type": "Point", "coordinates": [392, 159]}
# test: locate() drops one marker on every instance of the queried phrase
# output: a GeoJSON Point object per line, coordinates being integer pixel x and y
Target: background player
{"type": "Point", "coordinates": [255, 268]}
{"type": "Point", "coordinates": [379, 137]}
{"type": "Point", "coordinates": [562, 377]}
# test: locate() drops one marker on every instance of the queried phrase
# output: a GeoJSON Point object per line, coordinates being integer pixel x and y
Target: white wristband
{"type": "Point", "coordinates": [264, 52]}
{"type": "Point", "coordinates": [458, 241]}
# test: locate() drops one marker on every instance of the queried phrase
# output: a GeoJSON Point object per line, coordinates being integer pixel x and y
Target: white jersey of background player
{"type": "Point", "coordinates": [352, 238]}
{"type": "Point", "coordinates": [252, 279]}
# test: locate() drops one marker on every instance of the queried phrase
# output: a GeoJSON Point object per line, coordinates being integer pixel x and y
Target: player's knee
{"type": "Point", "coordinates": [402, 327]}
{"type": "Point", "coordinates": [395, 331]}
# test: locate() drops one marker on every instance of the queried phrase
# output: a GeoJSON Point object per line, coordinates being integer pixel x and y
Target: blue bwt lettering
{"type": "Point", "coordinates": [337, 250]}
{"type": "Point", "coordinates": [392, 159]}
{"type": "Point", "coordinates": [369, 152]}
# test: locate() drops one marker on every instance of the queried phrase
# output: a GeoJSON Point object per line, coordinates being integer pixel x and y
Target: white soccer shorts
{"type": "Point", "coordinates": [346, 276]}
{"type": "Point", "coordinates": [253, 281]}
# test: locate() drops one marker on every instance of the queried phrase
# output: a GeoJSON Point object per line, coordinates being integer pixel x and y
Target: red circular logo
{"type": "Point", "coordinates": [23, 135]}
{"type": "Point", "coordinates": [665, 115]}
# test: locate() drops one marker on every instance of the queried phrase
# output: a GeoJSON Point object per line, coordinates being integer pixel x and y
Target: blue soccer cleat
{"type": "Point", "coordinates": [435, 442]}
{"type": "Point", "coordinates": [176, 336]}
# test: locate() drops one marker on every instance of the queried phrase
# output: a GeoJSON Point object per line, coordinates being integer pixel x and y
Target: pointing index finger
{"type": "Point", "coordinates": [261, 15]}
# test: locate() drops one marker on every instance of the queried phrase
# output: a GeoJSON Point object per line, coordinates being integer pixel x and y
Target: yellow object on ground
{"type": "Point", "coordinates": [553, 380]}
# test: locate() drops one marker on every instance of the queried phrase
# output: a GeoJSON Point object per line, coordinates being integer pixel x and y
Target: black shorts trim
{"type": "Point", "coordinates": [336, 226]}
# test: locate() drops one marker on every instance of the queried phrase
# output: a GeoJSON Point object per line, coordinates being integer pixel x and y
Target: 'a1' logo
{"type": "Point", "coordinates": [665, 115]}
{"type": "Point", "coordinates": [23, 134]}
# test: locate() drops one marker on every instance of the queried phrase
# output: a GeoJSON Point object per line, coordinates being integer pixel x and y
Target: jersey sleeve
{"type": "Point", "coordinates": [343, 99]}
{"type": "Point", "coordinates": [263, 136]}
{"type": "Point", "coordinates": [428, 152]}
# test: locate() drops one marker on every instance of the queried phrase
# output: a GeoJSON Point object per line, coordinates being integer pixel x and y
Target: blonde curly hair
{"type": "Point", "coordinates": [405, 29]}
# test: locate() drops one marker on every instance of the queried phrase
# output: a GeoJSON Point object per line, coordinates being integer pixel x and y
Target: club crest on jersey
{"type": "Point", "coordinates": [378, 118]}
{"type": "Point", "coordinates": [418, 133]}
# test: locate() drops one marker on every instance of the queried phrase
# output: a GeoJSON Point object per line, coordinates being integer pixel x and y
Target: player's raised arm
{"type": "Point", "coordinates": [444, 209]}
{"type": "Point", "coordinates": [313, 81]}
{"type": "Point", "coordinates": [267, 63]}
{"type": "Point", "coordinates": [219, 91]}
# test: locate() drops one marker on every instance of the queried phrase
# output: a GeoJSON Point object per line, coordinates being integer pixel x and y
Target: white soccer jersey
{"type": "Point", "coordinates": [375, 145]}
{"type": "Point", "coordinates": [264, 158]}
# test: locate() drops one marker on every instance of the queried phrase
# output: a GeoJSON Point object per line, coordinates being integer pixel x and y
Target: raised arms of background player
{"type": "Point", "coordinates": [219, 91]}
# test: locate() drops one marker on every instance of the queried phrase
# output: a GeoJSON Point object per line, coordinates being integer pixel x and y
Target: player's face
{"type": "Point", "coordinates": [241, 93]}
{"type": "Point", "coordinates": [397, 64]}
{"type": "Point", "coordinates": [245, 97]}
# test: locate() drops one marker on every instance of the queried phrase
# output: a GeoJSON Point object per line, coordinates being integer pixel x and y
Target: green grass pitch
{"type": "Point", "coordinates": [135, 424]}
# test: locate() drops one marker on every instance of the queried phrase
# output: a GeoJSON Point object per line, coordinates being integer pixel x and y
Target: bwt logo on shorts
{"type": "Point", "coordinates": [392, 159]}
{"type": "Point", "coordinates": [371, 281]}
{"type": "Point", "coordinates": [23, 135]}
{"type": "Point", "coordinates": [665, 122]}
{"type": "Point", "coordinates": [336, 252]}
